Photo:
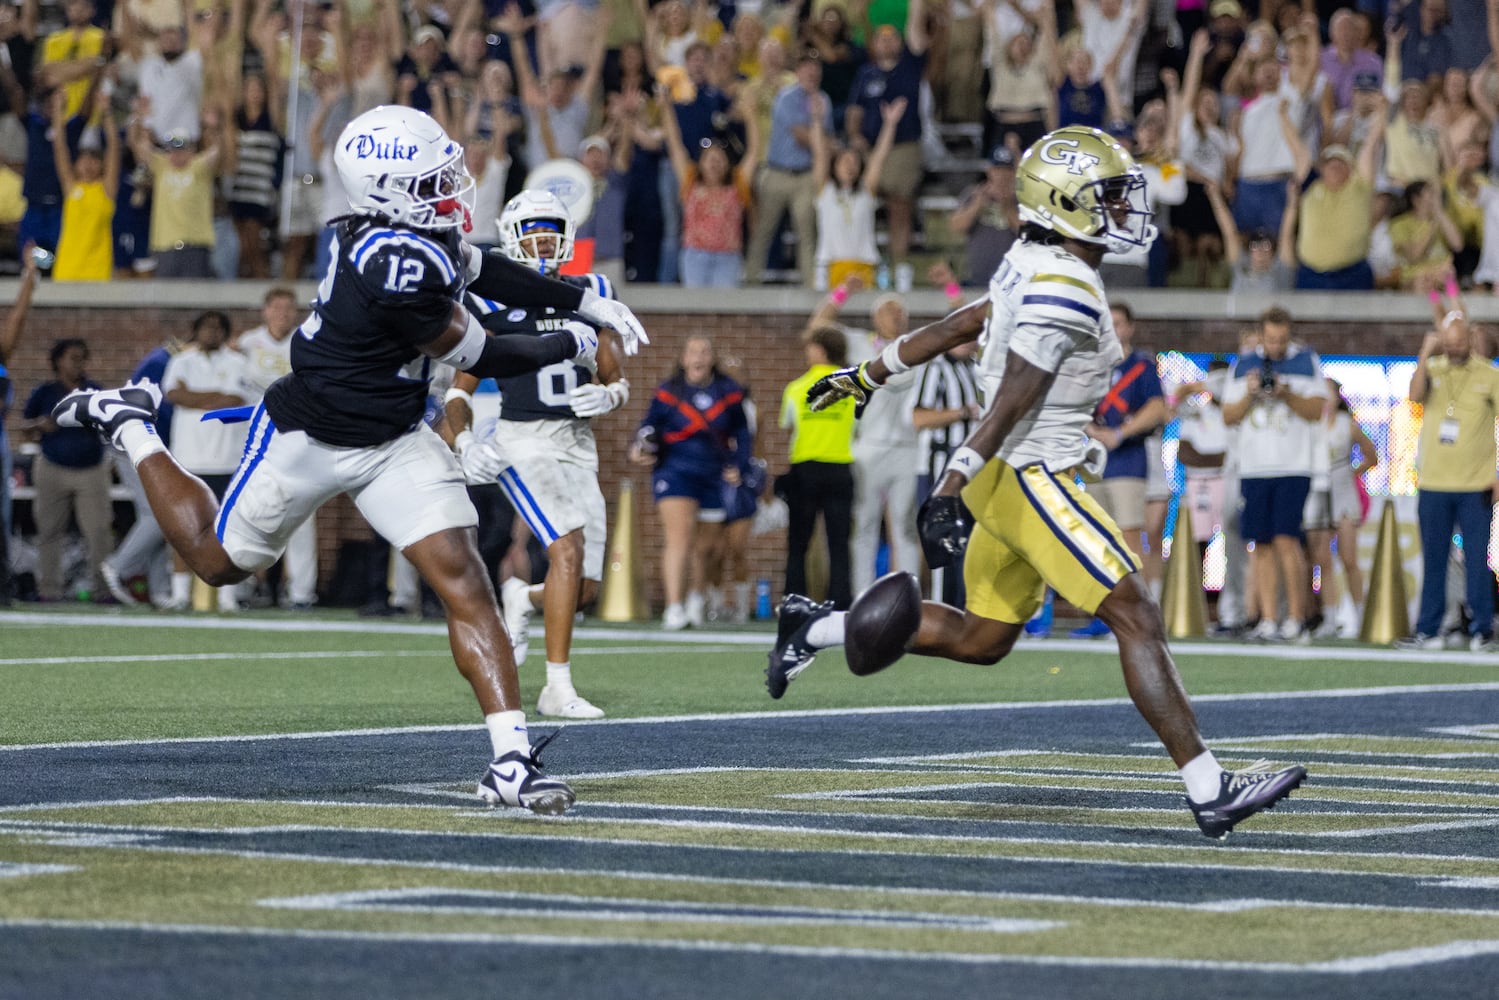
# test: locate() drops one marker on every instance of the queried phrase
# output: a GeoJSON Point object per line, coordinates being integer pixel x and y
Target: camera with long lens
{"type": "Point", "coordinates": [1267, 378]}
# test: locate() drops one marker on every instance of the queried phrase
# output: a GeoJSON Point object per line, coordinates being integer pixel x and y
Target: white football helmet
{"type": "Point", "coordinates": [533, 214]}
{"type": "Point", "coordinates": [399, 163]}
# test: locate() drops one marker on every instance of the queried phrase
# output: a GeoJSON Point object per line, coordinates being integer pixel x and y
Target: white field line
{"type": "Point", "coordinates": [919, 892]}
{"type": "Point", "coordinates": [1225, 905]}
{"type": "Point", "coordinates": [491, 902]}
{"type": "Point", "coordinates": [808, 713]}
{"type": "Point", "coordinates": [1309, 654]}
{"type": "Point", "coordinates": [554, 824]}
{"type": "Point", "coordinates": [1381, 962]}
{"type": "Point", "coordinates": [312, 655]}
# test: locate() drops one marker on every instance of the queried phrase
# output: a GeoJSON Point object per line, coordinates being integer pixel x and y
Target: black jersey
{"type": "Point", "coordinates": [358, 378]}
{"type": "Point", "coordinates": [543, 394]}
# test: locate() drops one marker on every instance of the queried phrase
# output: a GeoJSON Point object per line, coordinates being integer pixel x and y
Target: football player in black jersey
{"type": "Point", "coordinates": [348, 419]}
{"type": "Point", "coordinates": [542, 453]}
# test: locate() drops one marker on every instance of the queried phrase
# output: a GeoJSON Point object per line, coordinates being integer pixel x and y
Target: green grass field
{"type": "Point", "coordinates": [934, 830]}
{"type": "Point", "coordinates": [66, 682]}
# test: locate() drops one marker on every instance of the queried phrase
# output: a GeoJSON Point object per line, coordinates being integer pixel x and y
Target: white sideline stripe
{"type": "Point", "coordinates": [808, 713]}
{"type": "Point", "coordinates": [330, 654]}
{"type": "Point", "coordinates": [1381, 962]}
{"type": "Point", "coordinates": [313, 655]}
{"type": "Point", "coordinates": [1356, 654]}
{"type": "Point", "coordinates": [12, 869]}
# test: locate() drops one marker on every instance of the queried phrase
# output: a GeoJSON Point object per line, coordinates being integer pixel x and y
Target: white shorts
{"type": "Point", "coordinates": [407, 489]}
{"type": "Point", "coordinates": [1204, 495]}
{"type": "Point", "coordinates": [1343, 497]}
{"type": "Point", "coordinates": [553, 483]}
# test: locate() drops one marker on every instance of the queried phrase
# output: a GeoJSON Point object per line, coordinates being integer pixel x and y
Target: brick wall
{"type": "Point", "coordinates": [765, 343]}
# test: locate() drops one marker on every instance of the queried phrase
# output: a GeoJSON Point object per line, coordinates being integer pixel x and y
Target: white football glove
{"type": "Point", "coordinates": [482, 461]}
{"type": "Point", "coordinates": [594, 400]}
{"type": "Point", "coordinates": [1094, 459]}
{"type": "Point", "coordinates": [586, 339]}
{"type": "Point", "coordinates": [615, 315]}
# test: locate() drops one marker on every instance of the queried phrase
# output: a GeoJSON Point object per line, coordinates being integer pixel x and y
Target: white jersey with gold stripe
{"type": "Point", "coordinates": [1048, 306]}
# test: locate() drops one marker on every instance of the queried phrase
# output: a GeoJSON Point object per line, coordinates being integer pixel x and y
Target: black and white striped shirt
{"type": "Point", "coordinates": [945, 384]}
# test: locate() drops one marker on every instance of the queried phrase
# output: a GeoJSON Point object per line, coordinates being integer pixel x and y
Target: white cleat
{"type": "Point", "coordinates": [516, 780]}
{"type": "Point", "coordinates": [117, 588]}
{"type": "Point", "coordinates": [515, 602]}
{"type": "Point", "coordinates": [565, 703]}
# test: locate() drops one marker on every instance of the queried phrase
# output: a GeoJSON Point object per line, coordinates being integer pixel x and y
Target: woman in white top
{"type": "Point", "coordinates": [1206, 151]}
{"type": "Point", "coordinates": [1335, 509]}
{"type": "Point", "coordinates": [846, 201]}
{"type": "Point", "coordinates": [1023, 77]}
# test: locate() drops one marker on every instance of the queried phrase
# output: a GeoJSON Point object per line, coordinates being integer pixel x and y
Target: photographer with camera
{"type": "Point", "coordinates": [1275, 395]}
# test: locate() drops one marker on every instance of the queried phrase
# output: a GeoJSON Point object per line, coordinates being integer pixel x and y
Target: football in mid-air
{"type": "Point", "coordinates": [881, 622]}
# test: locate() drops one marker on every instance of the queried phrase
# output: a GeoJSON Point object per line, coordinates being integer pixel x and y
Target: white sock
{"type": "Point", "coordinates": [182, 588]}
{"type": "Point", "coordinates": [507, 732]}
{"type": "Point", "coordinates": [138, 440]}
{"type": "Point", "coordinates": [560, 674]}
{"type": "Point", "coordinates": [1204, 777]}
{"type": "Point", "coordinates": [228, 598]}
{"type": "Point", "coordinates": [827, 631]}
{"type": "Point", "coordinates": [742, 598]}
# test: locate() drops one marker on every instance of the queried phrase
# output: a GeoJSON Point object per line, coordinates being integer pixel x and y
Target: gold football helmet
{"type": "Point", "coordinates": [1080, 183]}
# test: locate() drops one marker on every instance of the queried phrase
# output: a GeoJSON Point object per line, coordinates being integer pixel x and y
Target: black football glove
{"type": "Point", "coordinates": [845, 383]}
{"type": "Point", "coordinates": [943, 524]}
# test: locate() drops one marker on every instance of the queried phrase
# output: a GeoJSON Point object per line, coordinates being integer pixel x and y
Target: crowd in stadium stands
{"type": "Point", "coordinates": [838, 144]}
{"type": "Point", "coordinates": [1289, 145]}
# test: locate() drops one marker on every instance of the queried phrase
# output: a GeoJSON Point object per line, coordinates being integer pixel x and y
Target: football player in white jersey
{"type": "Point", "coordinates": [542, 451]}
{"type": "Point", "coordinates": [1048, 349]}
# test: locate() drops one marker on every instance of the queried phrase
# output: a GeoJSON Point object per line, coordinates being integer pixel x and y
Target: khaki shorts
{"type": "Point", "coordinates": [903, 171]}
{"type": "Point", "coordinates": [1123, 497]}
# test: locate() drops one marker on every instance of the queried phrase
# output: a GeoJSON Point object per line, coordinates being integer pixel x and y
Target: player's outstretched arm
{"type": "Point", "coordinates": [466, 346]}
{"type": "Point", "coordinates": [917, 347]}
{"type": "Point", "coordinates": [497, 277]}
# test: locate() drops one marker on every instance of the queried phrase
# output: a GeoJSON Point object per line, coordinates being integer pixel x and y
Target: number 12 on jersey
{"type": "Point", "coordinates": [404, 274]}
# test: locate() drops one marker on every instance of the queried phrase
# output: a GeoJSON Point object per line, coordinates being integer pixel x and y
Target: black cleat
{"type": "Point", "coordinates": [791, 654]}
{"type": "Point", "coordinates": [107, 410]}
{"type": "Point", "coordinates": [1244, 793]}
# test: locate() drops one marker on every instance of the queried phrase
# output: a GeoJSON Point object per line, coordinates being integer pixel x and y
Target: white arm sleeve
{"type": "Point", "coordinates": [469, 348]}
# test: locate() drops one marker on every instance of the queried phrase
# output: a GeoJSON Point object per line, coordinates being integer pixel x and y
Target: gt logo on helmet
{"type": "Point", "coordinates": [1064, 153]}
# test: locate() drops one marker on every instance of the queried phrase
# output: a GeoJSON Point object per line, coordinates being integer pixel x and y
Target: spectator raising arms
{"type": "Point", "coordinates": [1024, 78]}
{"type": "Point", "coordinates": [181, 198]}
{"type": "Point", "coordinates": [1332, 242]}
{"type": "Point", "coordinates": [846, 200]}
{"type": "Point", "coordinates": [894, 70]}
{"type": "Point", "coordinates": [85, 248]}
{"type": "Point", "coordinates": [1261, 264]}
{"type": "Point", "coordinates": [715, 200]}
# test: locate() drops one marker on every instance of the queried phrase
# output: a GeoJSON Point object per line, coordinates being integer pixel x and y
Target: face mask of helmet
{"type": "Point", "coordinates": [536, 235]}
{"type": "Point", "coordinates": [441, 199]}
{"type": "Point", "coordinates": [1121, 204]}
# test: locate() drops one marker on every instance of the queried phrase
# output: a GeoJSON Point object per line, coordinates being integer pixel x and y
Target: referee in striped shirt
{"type": "Point", "coordinates": [945, 408]}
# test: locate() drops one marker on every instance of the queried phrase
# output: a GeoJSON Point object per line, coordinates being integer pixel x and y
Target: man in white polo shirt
{"type": "Point", "coordinates": [207, 375]}
{"type": "Point", "coordinates": [1275, 395]}
{"type": "Point", "coordinates": [267, 350]}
